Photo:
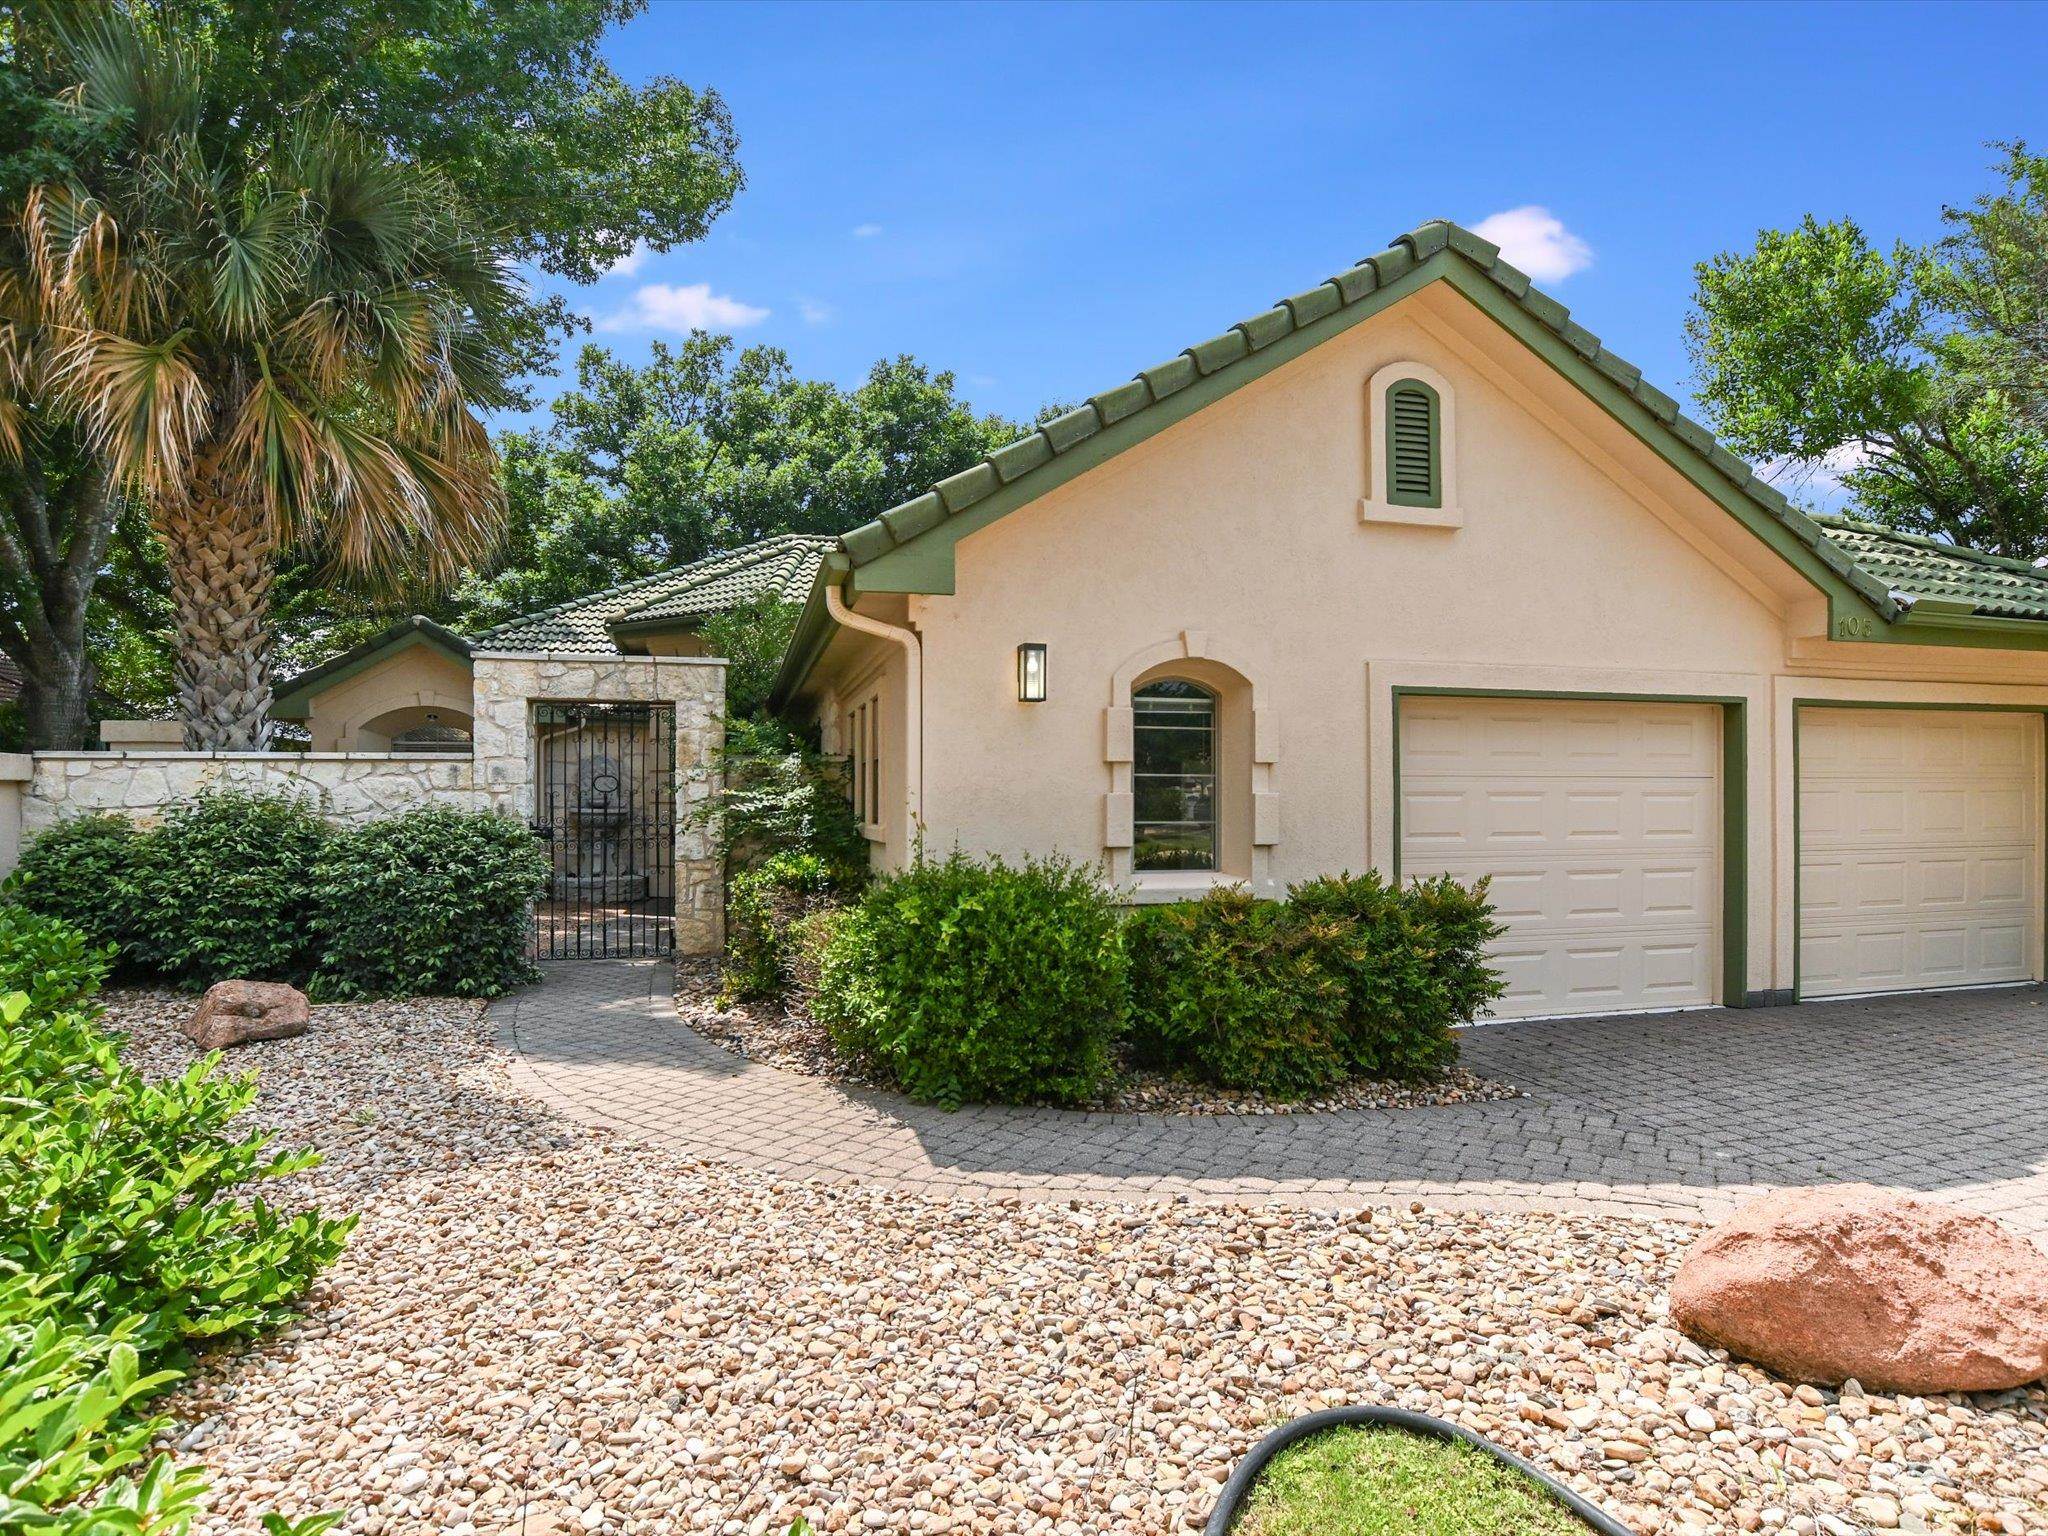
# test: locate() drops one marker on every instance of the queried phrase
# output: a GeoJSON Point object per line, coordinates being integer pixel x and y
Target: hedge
{"type": "Point", "coordinates": [971, 980]}
{"type": "Point", "coordinates": [260, 887]}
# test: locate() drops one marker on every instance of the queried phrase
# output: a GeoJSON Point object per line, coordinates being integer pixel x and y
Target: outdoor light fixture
{"type": "Point", "coordinates": [1030, 673]}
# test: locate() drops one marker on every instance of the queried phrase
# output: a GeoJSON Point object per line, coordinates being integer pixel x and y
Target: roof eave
{"type": "Point", "coordinates": [814, 626]}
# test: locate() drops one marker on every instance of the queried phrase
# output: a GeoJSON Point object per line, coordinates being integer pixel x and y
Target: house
{"type": "Point", "coordinates": [409, 689]}
{"type": "Point", "coordinates": [1409, 571]}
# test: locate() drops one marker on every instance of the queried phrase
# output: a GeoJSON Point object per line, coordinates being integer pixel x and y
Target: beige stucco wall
{"type": "Point", "coordinates": [362, 712]}
{"type": "Point", "coordinates": [1241, 537]}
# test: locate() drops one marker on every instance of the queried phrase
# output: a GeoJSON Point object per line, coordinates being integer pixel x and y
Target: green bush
{"type": "Point", "coordinates": [980, 981]}
{"type": "Point", "coordinates": [225, 887]}
{"type": "Point", "coordinates": [48, 960]}
{"type": "Point", "coordinates": [81, 871]}
{"type": "Point", "coordinates": [125, 1235]}
{"type": "Point", "coordinates": [762, 907]}
{"type": "Point", "coordinates": [1238, 992]}
{"type": "Point", "coordinates": [1412, 964]}
{"type": "Point", "coordinates": [433, 901]}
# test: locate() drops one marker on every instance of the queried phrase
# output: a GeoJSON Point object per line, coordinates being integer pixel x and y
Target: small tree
{"type": "Point", "coordinates": [751, 638]}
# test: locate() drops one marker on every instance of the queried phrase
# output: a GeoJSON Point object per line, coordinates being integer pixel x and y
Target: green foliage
{"type": "Point", "coordinates": [751, 638]}
{"type": "Point", "coordinates": [432, 901]}
{"type": "Point", "coordinates": [1238, 992]}
{"type": "Point", "coordinates": [980, 981]}
{"type": "Point", "coordinates": [1412, 963]}
{"type": "Point", "coordinates": [259, 887]}
{"type": "Point", "coordinates": [81, 871]}
{"type": "Point", "coordinates": [1348, 977]}
{"type": "Point", "coordinates": [1911, 377]}
{"type": "Point", "coordinates": [126, 1235]}
{"type": "Point", "coordinates": [47, 960]}
{"type": "Point", "coordinates": [704, 448]}
{"type": "Point", "coordinates": [226, 887]}
{"type": "Point", "coordinates": [781, 795]}
{"type": "Point", "coordinates": [763, 907]}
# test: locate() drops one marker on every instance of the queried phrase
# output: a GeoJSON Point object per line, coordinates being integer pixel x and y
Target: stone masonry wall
{"type": "Point", "coordinates": [506, 686]}
{"type": "Point", "coordinates": [347, 786]}
{"type": "Point", "coordinates": [357, 786]}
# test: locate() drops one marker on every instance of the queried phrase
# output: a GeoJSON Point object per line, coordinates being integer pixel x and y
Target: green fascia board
{"type": "Point", "coordinates": [293, 698]}
{"type": "Point", "coordinates": [641, 628]}
{"type": "Point", "coordinates": [814, 626]}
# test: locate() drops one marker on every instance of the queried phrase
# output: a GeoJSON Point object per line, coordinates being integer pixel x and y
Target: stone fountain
{"type": "Point", "coordinates": [600, 861]}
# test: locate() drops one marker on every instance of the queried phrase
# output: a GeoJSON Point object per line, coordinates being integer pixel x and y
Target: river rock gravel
{"type": "Point", "coordinates": [544, 1329]}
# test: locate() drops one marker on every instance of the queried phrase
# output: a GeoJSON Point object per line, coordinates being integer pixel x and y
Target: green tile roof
{"type": "Point", "coordinates": [1921, 569]}
{"type": "Point", "coordinates": [785, 565]}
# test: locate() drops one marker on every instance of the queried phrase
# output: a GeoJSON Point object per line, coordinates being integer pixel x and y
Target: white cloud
{"type": "Point", "coordinates": [1820, 481]}
{"type": "Point", "coordinates": [1535, 239]}
{"type": "Point", "coordinates": [629, 263]}
{"type": "Point", "coordinates": [866, 231]}
{"type": "Point", "coordinates": [682, 307]}
{"type": "Point", "coordinates": [813, 312]}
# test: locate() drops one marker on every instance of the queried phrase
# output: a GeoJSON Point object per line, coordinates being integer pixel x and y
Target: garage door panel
{"type": "Point", "coordinates": [1599, 826]}
{"type": "Point", "coordinates": [1918, 835]}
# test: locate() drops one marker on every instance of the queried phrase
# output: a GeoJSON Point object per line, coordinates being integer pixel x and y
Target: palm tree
{"type": "Point", "coordinates": [272, 350]}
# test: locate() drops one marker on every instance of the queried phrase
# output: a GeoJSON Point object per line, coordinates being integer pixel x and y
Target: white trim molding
{"type": "Point", "coordinates": [1374, 507]}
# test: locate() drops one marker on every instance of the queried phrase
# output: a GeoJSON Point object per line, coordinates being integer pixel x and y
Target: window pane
{"type": "Point", "coordinates": [1173, 778]}
{"type": "Point", "coordinates": [1174, 847]}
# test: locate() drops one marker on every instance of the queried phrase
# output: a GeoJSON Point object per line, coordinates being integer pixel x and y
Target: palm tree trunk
{"type": "Point", "coordinates": [220, 556]}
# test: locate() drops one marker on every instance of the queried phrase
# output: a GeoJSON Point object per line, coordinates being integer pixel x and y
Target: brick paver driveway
{"type": "Point", "coordinates": [1661, 1114]}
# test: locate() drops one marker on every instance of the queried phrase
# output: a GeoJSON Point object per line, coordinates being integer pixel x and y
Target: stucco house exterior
{"type": "Point", "coordinates": [1409, 571]}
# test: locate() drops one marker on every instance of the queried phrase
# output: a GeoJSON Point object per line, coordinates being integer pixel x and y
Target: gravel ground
{"type": "Point", "coordinates": [544, 1329]}
{"type": "Point", "coordinates": [790, 1039]}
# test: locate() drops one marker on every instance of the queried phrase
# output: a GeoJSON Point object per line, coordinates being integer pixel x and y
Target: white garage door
{"type": "Point", "coordinates": [1600, 825]}
{"type": "Point", "coordinates": [1917, 848]}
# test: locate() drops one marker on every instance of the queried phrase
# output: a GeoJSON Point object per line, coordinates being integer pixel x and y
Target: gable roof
{"type": "Point", "coordinates": [293, 695]}
{"type": "Point", "coordinates": [785, 565]}
{"type": "Point", "coordinates": [1933, 572]}
{"type": "Point", "coordinates": [909, 548]}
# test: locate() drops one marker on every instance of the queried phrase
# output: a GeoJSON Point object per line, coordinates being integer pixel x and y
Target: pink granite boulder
{"type": "Point", "coordinates": [233, 1012]}
{"type": "Point", "coordinates": [1905, 1295]}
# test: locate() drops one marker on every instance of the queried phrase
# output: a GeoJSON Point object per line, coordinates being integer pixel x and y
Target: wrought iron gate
{"type": "Point", "coordinates": [605, 805]}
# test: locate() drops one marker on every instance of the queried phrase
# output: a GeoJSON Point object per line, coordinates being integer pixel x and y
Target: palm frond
{"type": "Point", "coordinates": [142, 404]}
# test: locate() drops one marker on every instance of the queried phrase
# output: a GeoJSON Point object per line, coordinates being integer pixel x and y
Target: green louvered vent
{"type": "Point", "coordinates": [1412, 473]}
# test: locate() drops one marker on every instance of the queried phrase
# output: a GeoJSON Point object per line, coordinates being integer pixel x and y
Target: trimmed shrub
{"type": "Point", "coordinates": [82, 871]}
{"type": "Point", "coordinates": [1412, 964]}
{"type": "Point", "coordinates": [980, 981]}
{"type": "Point", "coordinates": [762, 906]}
{"type": "Point", "coordinates": [1238, 992]}
{"type": "Point", "coordinates": [432, 901]}
{"type": "Point", "coordinates": [224, 887]}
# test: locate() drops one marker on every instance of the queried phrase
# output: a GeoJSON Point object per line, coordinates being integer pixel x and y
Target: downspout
{"type": "Point", "coordinates": [913, 703]}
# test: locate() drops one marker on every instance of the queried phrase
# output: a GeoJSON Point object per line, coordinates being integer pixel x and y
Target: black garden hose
{"type": "Point", "coordinates": [1231, 1501]}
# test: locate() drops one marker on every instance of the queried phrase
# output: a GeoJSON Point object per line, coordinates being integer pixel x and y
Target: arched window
{"type": "Point", "coordinates": [1173, 776]}
{"type": "Point", "coordinates": [1414, 445]}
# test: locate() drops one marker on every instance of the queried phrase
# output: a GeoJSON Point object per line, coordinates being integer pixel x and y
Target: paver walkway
{"type": "Point", "coordinates": [1682, 1114]}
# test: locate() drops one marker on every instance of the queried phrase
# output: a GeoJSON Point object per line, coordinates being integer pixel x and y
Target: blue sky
{"type": "Point", "coordinates": [1045, 198]}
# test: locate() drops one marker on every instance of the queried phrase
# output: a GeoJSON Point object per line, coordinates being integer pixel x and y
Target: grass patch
{"type": "Point", "coordinates": [1387, 1482]}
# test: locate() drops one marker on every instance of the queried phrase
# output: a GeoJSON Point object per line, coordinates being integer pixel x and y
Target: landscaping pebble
{"type": "Point", "coordinates": [543, 1328]}
{"type": "Point", "coordinates": [788, 1038]}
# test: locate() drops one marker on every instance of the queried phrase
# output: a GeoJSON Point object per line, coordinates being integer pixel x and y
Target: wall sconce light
{"type": "Point", "coordinates": [1031, 673]}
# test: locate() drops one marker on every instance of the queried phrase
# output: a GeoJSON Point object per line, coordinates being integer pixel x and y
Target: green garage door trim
{"type": "Point", "coordinates": [1735, 991]}
{"type": "Point", "coordinates": [1799, 707]}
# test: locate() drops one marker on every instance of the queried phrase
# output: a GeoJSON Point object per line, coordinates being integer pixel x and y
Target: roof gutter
{"type": "Point", "coordinates": [913, 697]}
